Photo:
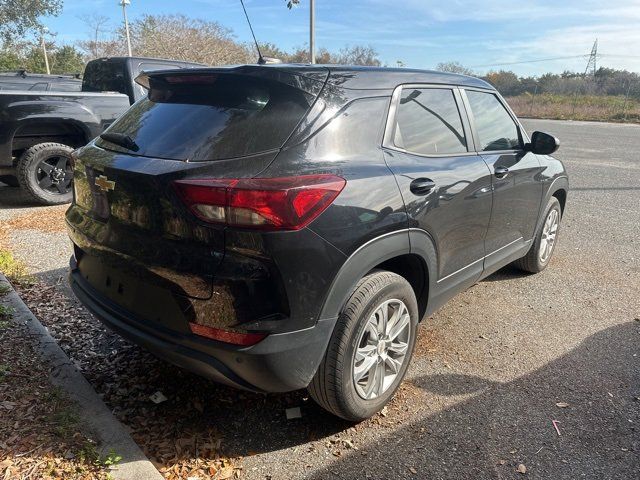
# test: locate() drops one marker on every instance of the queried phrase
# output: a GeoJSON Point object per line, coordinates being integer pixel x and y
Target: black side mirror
{"type": "Point", "coordinates": [542, 144]}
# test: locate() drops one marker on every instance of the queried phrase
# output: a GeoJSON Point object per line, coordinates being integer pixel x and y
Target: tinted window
{"type": "Point", "coordinates": [104, 76]}
{"type": "Point", "coordinates": [212, 116]}
{"type": "Point", "coordinates": [496, 129]}
{"type": "Point", "coordinates": [428, 122]}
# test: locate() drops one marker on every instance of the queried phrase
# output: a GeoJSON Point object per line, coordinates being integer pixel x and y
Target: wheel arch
{"type": "Point", "coordinates": [392, 252]}
{"type": "Point", "coordinates": [34, 131]}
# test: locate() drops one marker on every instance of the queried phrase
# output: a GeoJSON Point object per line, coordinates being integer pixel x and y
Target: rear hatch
{"type": "Point", "coordinates": [130, 229]}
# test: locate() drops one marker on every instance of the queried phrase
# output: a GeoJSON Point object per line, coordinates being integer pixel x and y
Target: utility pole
{"type": "Point", "coordinates": [312, 31]}
{"type": "Point", "coordinates": [124, 4]}
{"type": "Point", "coordinates": [44, 50]}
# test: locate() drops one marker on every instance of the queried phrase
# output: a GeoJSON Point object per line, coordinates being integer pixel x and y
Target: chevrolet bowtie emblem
{"type": "Point", "coordinates": [104, 184]}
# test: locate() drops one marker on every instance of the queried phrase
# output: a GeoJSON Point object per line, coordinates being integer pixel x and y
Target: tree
{"type": "Point", "coordinates": [102, 41]}
{"type": "Point", "coordinates": [182, 38]}
{"type": "Point", "coordinates": [359, 55]}
{"type": "Point", "coordinates": [29, 56]}
{"type": "Point", "coordinates": [454, 67]}
{"type": "Point", "coordinates": [506, 82]}
{"type": "Point", "coordinates": [17, 17]}
{"type": "Point", "coordinates": [66, 59]}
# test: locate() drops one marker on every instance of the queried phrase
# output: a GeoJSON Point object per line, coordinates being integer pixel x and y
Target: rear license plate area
{"type": "Point", "coordinates": [144, 300]}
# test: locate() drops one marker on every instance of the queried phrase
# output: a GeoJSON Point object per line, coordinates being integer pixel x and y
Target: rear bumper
{"type": "Point", "coordinates": [279, 363]}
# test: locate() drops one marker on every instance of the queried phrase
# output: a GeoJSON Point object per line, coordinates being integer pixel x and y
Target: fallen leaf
{"type": "Point", "coordinates": [413, 470]}
{"type": "Point", "coordinates": [521, 469]}
{"type": "Point", "coordinates": [226, 472]}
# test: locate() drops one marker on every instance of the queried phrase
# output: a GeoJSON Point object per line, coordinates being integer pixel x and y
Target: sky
{"type": "Point", "coordinates": [482, 34]}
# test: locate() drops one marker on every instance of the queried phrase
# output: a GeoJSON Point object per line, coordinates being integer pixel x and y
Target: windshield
{"type": "Point", "coordinates": [211, 116]}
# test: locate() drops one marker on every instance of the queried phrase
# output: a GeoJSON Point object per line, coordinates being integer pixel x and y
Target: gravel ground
{"type": "Point", "coordinates": [493, 369]}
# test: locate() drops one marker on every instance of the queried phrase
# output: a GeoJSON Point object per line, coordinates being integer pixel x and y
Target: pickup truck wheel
{"type": "Point", "coordinates": [45, 172]}
{"type": "Point", "coordinates": [370, 348]}
{"type": "Point", "coordinates": [9, 180]}
{"type": "Point", "coordinates": [545, 240]}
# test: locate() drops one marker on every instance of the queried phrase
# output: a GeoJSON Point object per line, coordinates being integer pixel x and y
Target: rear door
{"type": "Point", "coordinates": [517, 190]}
{"type": "Point", "coordinates": [445, 185]}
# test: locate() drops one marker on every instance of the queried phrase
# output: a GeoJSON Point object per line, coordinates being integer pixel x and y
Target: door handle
{"type": "Point", "coordinates": [501, 172]}
{"type": "Point", "coordinates": [422, 186]}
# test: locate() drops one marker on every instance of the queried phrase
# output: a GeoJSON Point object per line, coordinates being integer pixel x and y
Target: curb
{"type": "Point", "coordinates": [112, 435]}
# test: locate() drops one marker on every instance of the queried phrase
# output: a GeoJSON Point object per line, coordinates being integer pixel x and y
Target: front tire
{"type": "Point", "coordinates": [44, 171]}
{"type": "Point", "coordinates": [370, 348]}
{"type": "Point", "coordinates": [539, 255]}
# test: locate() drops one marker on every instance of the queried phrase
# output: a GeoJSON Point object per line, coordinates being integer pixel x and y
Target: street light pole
{"type": "Point", "coordinates": [312, 31]}
{"type": "Point", "coordinates": [124, 4]}
{"type": "Point", "coordinates": [44, 50]}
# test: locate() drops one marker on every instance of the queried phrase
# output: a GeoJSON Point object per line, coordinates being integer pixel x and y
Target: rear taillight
{"type": "Point", "coordinates": [227, 336]}
{"type": "Point", "coordinates": [285, 203]}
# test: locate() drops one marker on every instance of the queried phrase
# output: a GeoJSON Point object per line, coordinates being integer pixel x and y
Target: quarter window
{"type": "Point", "coordinates": [496, 129]}
{"type": "Point", "coordinates": [428, 122]}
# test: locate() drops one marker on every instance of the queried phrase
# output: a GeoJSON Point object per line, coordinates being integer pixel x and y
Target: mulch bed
{"type": "Point", "coordinates": [40, 436]}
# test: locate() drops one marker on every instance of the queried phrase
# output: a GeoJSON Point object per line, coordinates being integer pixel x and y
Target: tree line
{"type": "Point", "coordinates": [604, 81]}
{"type": "Point", "coordinates": [208, 42]}
{"type": "Point", "coordinates": [164, 36]}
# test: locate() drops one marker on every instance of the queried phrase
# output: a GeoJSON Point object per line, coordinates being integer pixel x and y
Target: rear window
{"type": "Point", "coordinates": [104, 76]}
{"type": "Point", "coordinates": [211, 117]}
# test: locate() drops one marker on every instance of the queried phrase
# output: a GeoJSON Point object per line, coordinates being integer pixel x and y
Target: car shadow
{"type": "Point", "coordinates": [507, 424]}
{"type": "Point", "coordinates": [13, 197]}
{"type": "Point", "coordinates": [508, 272]}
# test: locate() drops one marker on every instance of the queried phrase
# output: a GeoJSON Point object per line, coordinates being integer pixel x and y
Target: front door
{"type": "Point", "coordinates": [445, 185]}
{"type": "Point", "coordinates": [517, 189]}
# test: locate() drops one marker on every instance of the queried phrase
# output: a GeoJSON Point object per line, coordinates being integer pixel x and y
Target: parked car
{"type": "Point", "coordinates": [281, 227]}
{"type": "Point", "coordinates": [21, 80]}
{"type": "Point", "coordinates": [41, 126]}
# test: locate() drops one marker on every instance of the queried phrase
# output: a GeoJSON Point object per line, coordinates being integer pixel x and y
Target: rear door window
{"type": "Point", "coordinates": [428, 122]}
{"type": "Point", "coordinates": [495, 128]}
{"type": "Point", "coordinates": [212, 116]}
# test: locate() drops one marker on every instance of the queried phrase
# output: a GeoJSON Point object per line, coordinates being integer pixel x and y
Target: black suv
{"type": "Point", "coordinates": [281, 227]}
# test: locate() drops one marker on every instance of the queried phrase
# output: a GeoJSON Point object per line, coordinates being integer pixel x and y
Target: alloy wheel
{"type": "Point", "coordinates": [382, 349]}
{"type": "Point", "coordinates": [549, 232]}
{"type": "Point", "coordinates": [54, 175]}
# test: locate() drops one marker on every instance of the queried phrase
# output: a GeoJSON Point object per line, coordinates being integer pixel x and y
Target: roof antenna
{"type": "Point", "coordinates": [261, 60]}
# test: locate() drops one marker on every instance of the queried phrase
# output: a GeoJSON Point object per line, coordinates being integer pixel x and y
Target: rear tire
{"type": "Point", "coordinates": [539, 255]}
{"type": "Point", "coordinates": [9, 180]}
{"type": "Point", "coordinates": [44, 172]}
{"type": "Point", "coordinates": [364, 365]}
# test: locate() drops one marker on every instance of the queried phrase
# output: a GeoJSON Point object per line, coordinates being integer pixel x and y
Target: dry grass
{"type": "Point", "coordinates": [580, 107]}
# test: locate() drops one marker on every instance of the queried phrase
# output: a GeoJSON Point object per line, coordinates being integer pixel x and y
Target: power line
{"type": "Point", "coordinates": [528, 61]}
{"type": "Point", "coordinates": [599, 55]}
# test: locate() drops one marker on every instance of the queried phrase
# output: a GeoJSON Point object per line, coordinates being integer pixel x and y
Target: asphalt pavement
{"type": "Point", "coordinates": [521, 373]}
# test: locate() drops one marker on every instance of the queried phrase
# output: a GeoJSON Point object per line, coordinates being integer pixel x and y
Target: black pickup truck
{"type": "Point", "coordinates": [39, 129]}
{"type": "Point", "coordinates": [23, 80]}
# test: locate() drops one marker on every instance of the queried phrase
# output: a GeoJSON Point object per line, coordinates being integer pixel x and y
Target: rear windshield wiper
{"type": "Point", "coordinates": [120, 139]}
